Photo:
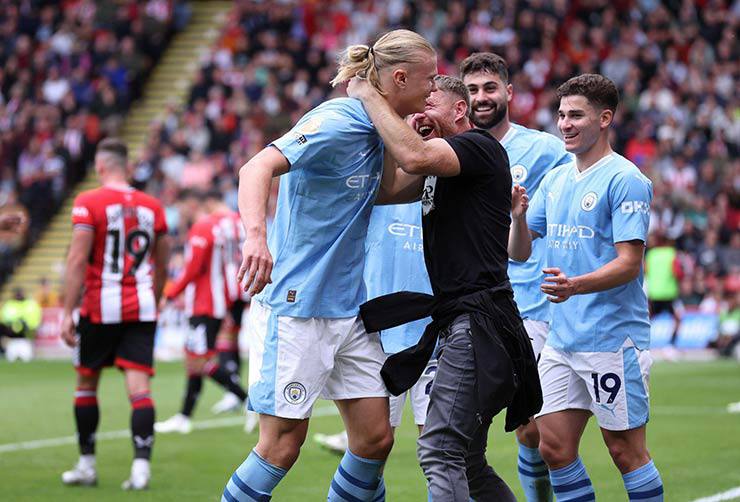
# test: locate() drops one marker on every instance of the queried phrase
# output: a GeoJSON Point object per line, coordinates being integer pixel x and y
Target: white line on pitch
{"type": "Point", "coordinates": [728, 495]}
{"type": "Point", "coordinates": [216, 423]}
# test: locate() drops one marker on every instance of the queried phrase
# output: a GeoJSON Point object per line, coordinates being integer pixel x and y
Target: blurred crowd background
{"type": "Point", "coordinates": [69, 69]}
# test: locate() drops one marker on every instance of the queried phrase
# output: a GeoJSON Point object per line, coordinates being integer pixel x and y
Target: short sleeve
{"type": "Point", "coordinates": [476, 151]}
{"type": "Point", "coordinates": [200, 236]}
{"type": "Point", "coordinates": [312, 135]}
{"type": "Point", "coordinates": [536, 214]}
{"type": "Point", "coordinates": [160, 221]}
{"type": "Point", "coordinates": [630, 195]}
{"type": "Point", "coordinates": [82, 216]}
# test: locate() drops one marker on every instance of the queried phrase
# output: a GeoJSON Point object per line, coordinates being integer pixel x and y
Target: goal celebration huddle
{"type": "Point", "coordinates": [424, 247]}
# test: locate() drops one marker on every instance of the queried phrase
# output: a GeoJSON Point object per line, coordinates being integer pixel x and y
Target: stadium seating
{"type": "Point", "coordinates": [272, 61]}
{"type": "Point", "coordinates": [69, 72]}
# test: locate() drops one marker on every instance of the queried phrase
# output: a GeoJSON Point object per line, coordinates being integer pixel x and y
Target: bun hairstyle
{"type": "Point", "coordinates": [394, 48]}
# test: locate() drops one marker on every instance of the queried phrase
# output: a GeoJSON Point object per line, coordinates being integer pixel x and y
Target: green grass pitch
{"type": "Point", "coordinates": [695, 442]}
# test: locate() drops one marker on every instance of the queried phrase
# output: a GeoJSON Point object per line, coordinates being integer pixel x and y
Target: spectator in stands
{"type": "Point", "coordinates": [46, 296]}
{"type": "Point", "coordinates": [20, 315]}
{"type": "Point", "coordinates": [68, 70]}
{"type": "Point", "coordinates": [270, 66]}
{"type": "Point", "coordinates": [662, 274]}
{"type": "Point", "coordinates": [12, 236]}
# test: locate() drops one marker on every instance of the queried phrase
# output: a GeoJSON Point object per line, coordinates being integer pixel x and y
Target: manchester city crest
{"type": "Point", "coordinates": [295, 393]}
{"type": "Point", "coordinates": [588, 202]}
{"type": "Point", "coordinates": [519, 173]}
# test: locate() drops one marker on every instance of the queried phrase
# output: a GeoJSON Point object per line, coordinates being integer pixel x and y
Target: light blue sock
{"type": "Point", "coordinates": [644, 484]}
{"type": "Point", "coordinates": [357, 479]}
{"type": "Point", "coordinates": [571, 483]}
{"type": "Point", "coordinates": [380, 492]}
{"type": "Point", "coordinates": [253, 481]}
{"type": "Point", "coordinates": [533, 475]}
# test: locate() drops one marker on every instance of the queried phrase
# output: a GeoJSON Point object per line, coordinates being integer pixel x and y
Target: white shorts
{"type": "Point", "coordinates": [611, 385]}
{"type": "Point", "coordinates": [537, 331]}
{"type": "Point", "coordinates": [293, 361]}
{"type": "Point", "coordinates": [419, 397]}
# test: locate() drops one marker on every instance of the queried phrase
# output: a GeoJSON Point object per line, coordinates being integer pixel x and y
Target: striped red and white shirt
{"type": "Point", "coordinates": [203, 278]}
{"type": "Point", "coordinates": [119, 282]}
{"type": "Point", "coordinates": [231, 235]}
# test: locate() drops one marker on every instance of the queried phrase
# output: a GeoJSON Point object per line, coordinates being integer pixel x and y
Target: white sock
{"type": "Point", "coordinates": [87, 461]}
{"type": "Point", "coordinates": [140, 465]}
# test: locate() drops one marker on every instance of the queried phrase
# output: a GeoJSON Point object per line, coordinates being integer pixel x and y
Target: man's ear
{"type": "Point", "coordinates": [509, 93]}
{"type": "Point", "coordinates": [461, 109]}
{"type": "Point", "coordinates": [400, 78]}
{"type": "Point", "coordinates": [606, 118]}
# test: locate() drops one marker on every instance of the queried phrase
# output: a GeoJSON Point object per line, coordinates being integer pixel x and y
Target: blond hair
{"type": "Point", "coordinates": [393, 48]}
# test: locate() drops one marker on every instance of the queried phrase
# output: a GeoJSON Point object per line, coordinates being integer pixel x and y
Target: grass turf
{"type": "Point", "coordinates": [695, 442]}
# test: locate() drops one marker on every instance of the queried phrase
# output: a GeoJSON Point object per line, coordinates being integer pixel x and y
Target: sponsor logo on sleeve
{"type": "Point", "coordinates": [311, 126]}
{"type": "Point", "coordinates": [299, 138]}
{"type": "Point", "coordinates": [634, 206]}
{"type": "Point", "coordinates": [80, 212]}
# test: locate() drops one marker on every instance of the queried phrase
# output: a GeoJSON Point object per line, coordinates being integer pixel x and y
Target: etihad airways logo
{"type": "Point", "coordinates": [405, 230]}
{"type": "Point", "coordinates": [359, 181]}
{"type": "Point", "coordinates": [561, 230]}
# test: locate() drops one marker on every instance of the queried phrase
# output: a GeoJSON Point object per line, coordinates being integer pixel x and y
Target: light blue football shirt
{"type": "Point", "coordinates": [531, 154]}
{"type": "Point", "coordinates": [317, 239]}
{"type": "Point", "coordinates": [580, 217]}
{"type": "Point", "coordinates": [394, 261]}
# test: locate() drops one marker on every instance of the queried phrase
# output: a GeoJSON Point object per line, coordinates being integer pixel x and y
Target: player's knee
{"type": "Point", "coordinates": [282, 452]}
{"type": "Point", "coordinates": [555, 454]}
{"type": "Point", "coordinates": [528, 435]}
{"type": "Point", "coordinates": [376, 444]}
{"type": "Point", "coordinates": [194, 365]}
{"type": "Point", "coordinates": [88, 380]}
{"type": "Point", "coordinates": [137, 383]}
{"type": "Point", "coordinates": [626, 457]}
{"type": "Point", "coordinates": [385, 443]}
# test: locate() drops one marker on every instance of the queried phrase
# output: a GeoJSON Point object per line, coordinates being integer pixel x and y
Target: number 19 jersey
{"type": "Point", "coordinates": [119, 283]}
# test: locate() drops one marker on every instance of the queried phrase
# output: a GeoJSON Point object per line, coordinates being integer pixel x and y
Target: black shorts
{"type": "Point", "coordinates": [660, 306]}
{"type": "Point", "coordinates": [127, 345]}
{"type": "Point", "coordinates": [237, 312]}
{"type": "Point", "coordinates": [201, 339]}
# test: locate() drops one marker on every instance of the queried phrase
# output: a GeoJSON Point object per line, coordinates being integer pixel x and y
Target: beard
{"type": "Point", "coordinates": [497, 115]}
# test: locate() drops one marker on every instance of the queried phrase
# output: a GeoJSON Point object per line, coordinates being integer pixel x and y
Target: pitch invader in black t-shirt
{"type": "Point", "coordinates": [462, 176]}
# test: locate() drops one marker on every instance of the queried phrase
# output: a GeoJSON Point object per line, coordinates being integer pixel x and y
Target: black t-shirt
{"type": "Point", "coordinates": [466, 218]}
